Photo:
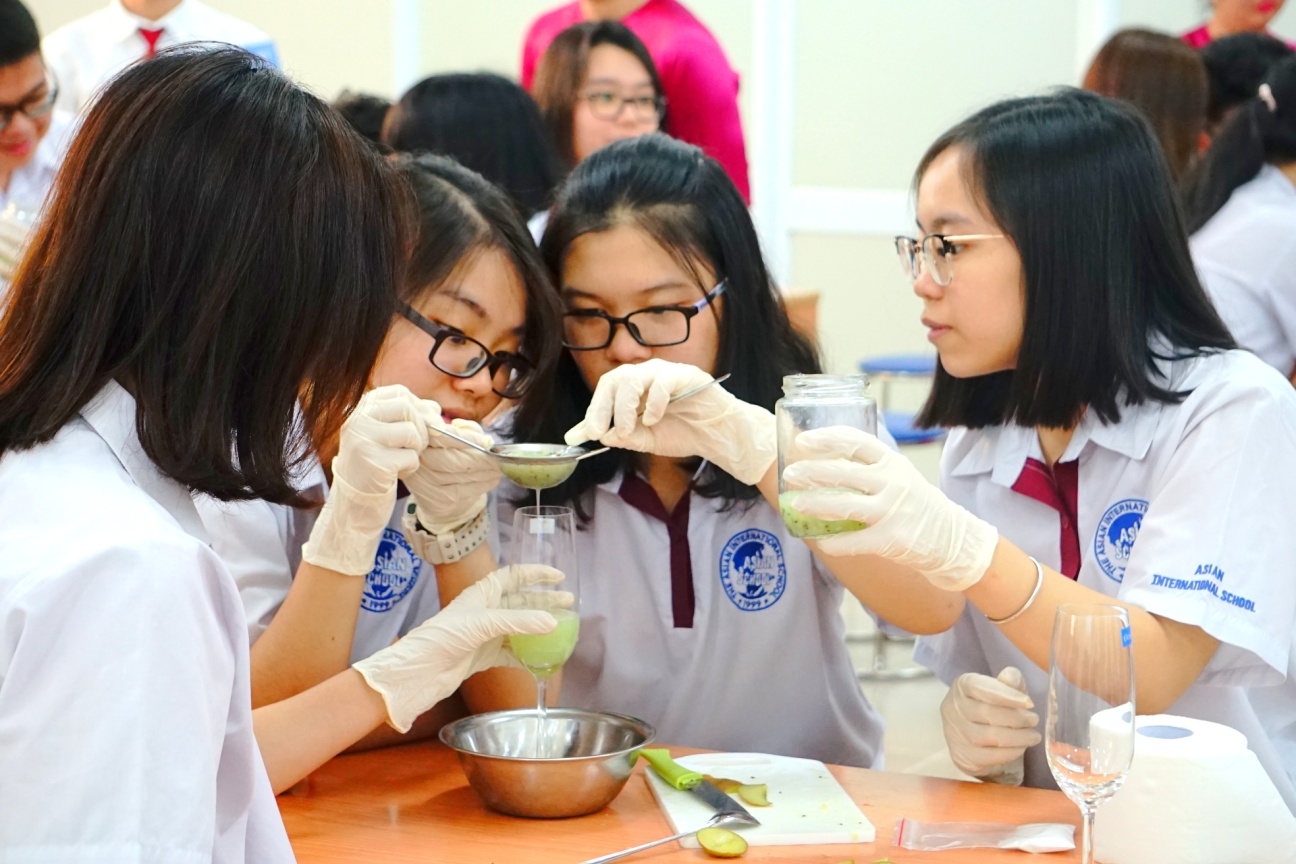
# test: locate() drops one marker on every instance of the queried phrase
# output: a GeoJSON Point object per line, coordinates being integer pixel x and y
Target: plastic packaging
{"type": "Point", "coordinates": [935, 836]}
{"type": "Point", "coordinates": [814, 402]}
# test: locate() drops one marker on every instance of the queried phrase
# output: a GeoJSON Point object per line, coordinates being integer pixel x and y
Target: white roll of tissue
{"type": "Point", "coordinates": [1195, 795]}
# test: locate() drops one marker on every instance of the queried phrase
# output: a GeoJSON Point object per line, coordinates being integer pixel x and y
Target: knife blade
{"type": "Point", "coordinates": [679, 777]}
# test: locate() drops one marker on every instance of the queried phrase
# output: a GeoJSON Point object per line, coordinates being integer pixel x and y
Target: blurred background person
{"type": "Point", "coordinates": [697, 79]}
{"type": "Point", "coordinates": [597, 84]}
{"type": "Point", "coordinates": [1241, 205]}
{"type": "Point", "coordinates": [1234, 16]}
{"type": "Point", "coordinates": [365, 112]}
{"type": "Point", "coordinates": [85, 53]}
{"type": "Point", "coordinates": [486, 123]}
{"type": "Point", "coordinates": [32, 134]}
{"type": "Point", "coordinates": [1165, 80]}
{"type": "Point", "coordinates": [1235, 68]}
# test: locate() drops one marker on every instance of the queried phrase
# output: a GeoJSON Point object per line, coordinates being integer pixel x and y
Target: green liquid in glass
{"type": "Point", "coordinates": [810, 527]}
{"type": "Point", "coordinates": [543, 654]}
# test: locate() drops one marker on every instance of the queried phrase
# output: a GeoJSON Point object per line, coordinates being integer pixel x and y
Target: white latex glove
{"type": "Point", "coordinates": [452, 480]}
{"type": "Point", "coordinates": [629, 410]}
{"type": "Point", "coordinates": [466, 637]}
{"type": "Point", "coordinates": [380, 443]}
{"type": "Point", "coordinates": [910, 520]}
{"type": "Point", "coordinates": [989, 725]}
{"type": "Point", "coordinates": [14, 236]}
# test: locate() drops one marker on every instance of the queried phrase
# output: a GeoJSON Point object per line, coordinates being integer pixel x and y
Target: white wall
{"type": "Point", "coordinates": [876, 81]}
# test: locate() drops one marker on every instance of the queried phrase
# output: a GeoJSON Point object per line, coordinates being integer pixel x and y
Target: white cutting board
{"type": "Point", "coordinates": [807, 804]}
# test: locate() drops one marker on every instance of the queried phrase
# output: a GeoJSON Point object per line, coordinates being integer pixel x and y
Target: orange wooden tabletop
{"type": "Point", "coordinates": [412, 804]}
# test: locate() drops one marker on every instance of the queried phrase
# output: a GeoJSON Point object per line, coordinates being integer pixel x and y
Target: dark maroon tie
{"type": "Point", "coordinates": [1059, 489]}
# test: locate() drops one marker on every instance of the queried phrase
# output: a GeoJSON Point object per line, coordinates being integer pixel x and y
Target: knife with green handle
{"type": "Point", "coordinates": [679, 777]}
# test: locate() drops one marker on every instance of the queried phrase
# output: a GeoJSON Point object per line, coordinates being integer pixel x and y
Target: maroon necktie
{"type": "Point", "coordinates": [1060, 490]}
{"type": "Point", "coordinates": [151, 37]}
{"type": "Point", "coordinates": [637, 492]}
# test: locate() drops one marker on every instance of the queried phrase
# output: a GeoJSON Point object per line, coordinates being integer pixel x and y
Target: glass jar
{"type": "Point", "coordinates": [814, 402]}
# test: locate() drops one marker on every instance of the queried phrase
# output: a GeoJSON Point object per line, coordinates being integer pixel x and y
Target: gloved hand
{"type": "Point", "coordinates": [989, 725]}
{"type": "Point", "coordinates": [910, 520]}
{"type": "Point", "coordinates": [452, 480]}
{"type": "Point", "coordinates": [432, 660]}
{"type": "Point", "coordinates": [381, 442]}
{"type": "Point", "coordinates": [736, 437]}
{"type": "Point", "coordinates": [14, 237]}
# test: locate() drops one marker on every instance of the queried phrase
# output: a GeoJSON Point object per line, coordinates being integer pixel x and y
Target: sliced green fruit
{"type": "Point", "coordinates": [721, 843]}
{"type": "Point", "coordinates": [755, 795]}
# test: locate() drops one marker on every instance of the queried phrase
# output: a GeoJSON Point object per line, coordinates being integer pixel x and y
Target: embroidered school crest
{"type": "Point", "coordinates": [396, 571]}
{"type": "Point", "coordinates": [752, 570]}
{"type": "Point", "coordinates": [1117, 531]}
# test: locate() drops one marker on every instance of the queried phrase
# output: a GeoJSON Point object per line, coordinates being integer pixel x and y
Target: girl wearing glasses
{"type": "Point", "coordinates": [1110, 445]}
{"type": "Point", "coordinates": [475, 325]}
{"type": "Point", "coordinates": [700, 612]}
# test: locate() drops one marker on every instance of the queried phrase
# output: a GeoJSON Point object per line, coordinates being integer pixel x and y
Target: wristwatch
{"type": "Point", "coordinates": [447, 546]}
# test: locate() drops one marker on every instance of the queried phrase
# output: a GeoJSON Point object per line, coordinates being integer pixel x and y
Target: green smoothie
{"type": "Point", "coordinates": [810, 527]}
{"type": "Point", "coordinates": [537, 475]}
{"type": "Point", "coordinates": [543, 654]}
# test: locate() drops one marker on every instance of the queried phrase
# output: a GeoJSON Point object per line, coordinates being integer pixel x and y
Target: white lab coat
{"type": "Point", "coordinates": [125, 706]}
{"type": "Point", "coordinates": [1182, 510]}
{"type": "Point", "coordinates": [86, 53]}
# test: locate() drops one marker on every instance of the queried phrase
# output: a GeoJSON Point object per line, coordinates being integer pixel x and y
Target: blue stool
{"type": "Point", "coordinates": [888, 368]}
{"type": "Point", "coordinates": [906, 432]}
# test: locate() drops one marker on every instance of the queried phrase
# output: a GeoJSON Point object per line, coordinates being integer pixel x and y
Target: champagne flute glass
{"type": "Point", "coordinates": [1089, 736]}
{"type": "Point", "coordinates": [546, 535]}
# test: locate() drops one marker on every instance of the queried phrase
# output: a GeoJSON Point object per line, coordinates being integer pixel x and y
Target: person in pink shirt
{"type": "Point", "coordinates": [1235, 16]}
{"type": "Point", "coordinates": [701, 87]}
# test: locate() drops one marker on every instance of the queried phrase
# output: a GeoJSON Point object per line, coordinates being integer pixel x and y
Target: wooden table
{"type": "Point", "coordinates": [412, 804]}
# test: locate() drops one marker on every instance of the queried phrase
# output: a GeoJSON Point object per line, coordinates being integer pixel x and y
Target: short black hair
{"type": "Point", "coordinates": [685, 201]}
{"type": "Point", "coordinates": [461, 213]}
{"type": "Point", "coordinates": [365, 112]}
{"type": "Point", "coordinates": [19, 37]}
{"type": "Point", "coordinates": [486, 123]}
{"type": "Point", "coordinates": [220, 243]}
{"type": "Point", "coordinates": [1235, 68]}
{"type": "Point", "coordinates": [1080, 186]}
{"type": "Point", "coordinates": [1256, 134]}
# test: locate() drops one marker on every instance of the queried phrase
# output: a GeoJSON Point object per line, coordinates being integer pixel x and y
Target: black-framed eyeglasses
{"type": "Point", "coordinates": [33, 108]}
{"type": "Point", "coordinates": [461, 356]}
{"type": "Point", "coordinates": [608, 104]}
{"type": "Point", "coordinates": [936, 252]}
{"type": "Point", "coordinates": [654, 327]}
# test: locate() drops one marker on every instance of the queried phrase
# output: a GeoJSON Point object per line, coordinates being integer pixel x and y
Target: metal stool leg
{"type": "Point", "coordinates": [881, 671]}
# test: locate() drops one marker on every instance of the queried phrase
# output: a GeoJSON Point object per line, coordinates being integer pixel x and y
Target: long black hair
{"type": "Point", "coordinates": [224, 246]}
{"type": "Point", "coordinates": [1236, 66]}
{"type": "Point", "coordinates": [460, 214]}
{"type": "Point", "coordinates": [484, 122]}
{"type": "Point", "coordinates": [686, 202]}
{"type": "Point", "coordinates": [1080, 186]}
{"type": "Point", "coordinates": [1262, 130]}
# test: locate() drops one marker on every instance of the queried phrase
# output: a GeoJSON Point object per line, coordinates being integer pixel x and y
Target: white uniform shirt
{"type": "Point", "coordinates": [763, 667]}
{"type": "Point", "coordinates": [1246, 258]}
{"type": "Point", "coordinates": [261, 544]}
{"type": "Point", "coordinates": [29, 185]}
{"type": "Point", "coordinates": [89, 51]}
{"type": "Point", "coordinates": [125, 705]}
{"type": "Point", "coordinates": [1180, 511]}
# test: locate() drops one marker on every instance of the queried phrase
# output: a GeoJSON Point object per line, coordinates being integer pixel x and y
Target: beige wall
{"type": "Point", "coordinates": [876, 81]}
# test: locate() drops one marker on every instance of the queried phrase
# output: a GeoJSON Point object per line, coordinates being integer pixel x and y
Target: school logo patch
{"type": "Point", "coordinates": [396, 571]}
{"type": "Point", "coordinates": [752, 570]}
{"type": "Point", "coordinates": [1117, 531]}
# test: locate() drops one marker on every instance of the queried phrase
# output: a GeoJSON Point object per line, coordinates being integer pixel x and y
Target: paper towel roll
{"type": "Point", "coordinates": [1111, 740]}
{"type": "Point", "coordinates": [1195, 795]}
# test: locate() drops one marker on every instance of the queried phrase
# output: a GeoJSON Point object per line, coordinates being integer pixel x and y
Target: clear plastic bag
{"type": "Point", "coordinates": [934, 836]}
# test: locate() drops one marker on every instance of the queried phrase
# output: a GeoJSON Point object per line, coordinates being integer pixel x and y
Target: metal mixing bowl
{"type": "Point", "coordinates": [570, 763]}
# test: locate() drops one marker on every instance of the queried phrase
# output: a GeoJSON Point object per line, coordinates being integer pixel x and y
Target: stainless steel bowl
{"type": "Point", "coordinates": [570, 763]}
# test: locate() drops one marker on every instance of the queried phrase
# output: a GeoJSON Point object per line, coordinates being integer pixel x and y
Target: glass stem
{"type": "Point", "coordinates": [542, 685]}
{"type": "Point", "coordinates": [537, 497]}
{"type": "Point", "coordinates": [1086, 848]}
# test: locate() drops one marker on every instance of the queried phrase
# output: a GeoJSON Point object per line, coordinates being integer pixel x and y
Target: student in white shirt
{"type": "Point", "coordinates": [699, 610]}
{"type": "Point", "coordinates": [150, 352]}
{"type": "Point", "coordinates": [1110, 444]}
{"type": "Point", "coordinates": [32, 134]}
{"type": "Point", "coordinates": [84, 54]}
{"type": "Point", "coordinates": [1242, 207]}
{"type": "Point", "coordinates": [478, 322]}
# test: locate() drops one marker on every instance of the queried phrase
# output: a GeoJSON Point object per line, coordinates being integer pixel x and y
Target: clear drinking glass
{"type": "Point", "coordinates": [546, 535]}
{"type": "Point", "coordinates": [1089, 735]}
